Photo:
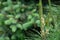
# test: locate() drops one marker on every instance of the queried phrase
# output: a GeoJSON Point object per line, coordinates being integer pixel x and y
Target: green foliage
{"type": "Point", "coordinates": [20, 21]}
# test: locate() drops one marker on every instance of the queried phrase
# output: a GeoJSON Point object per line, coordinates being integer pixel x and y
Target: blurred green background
{"type": "Point", "coordinates": [20, 19]}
